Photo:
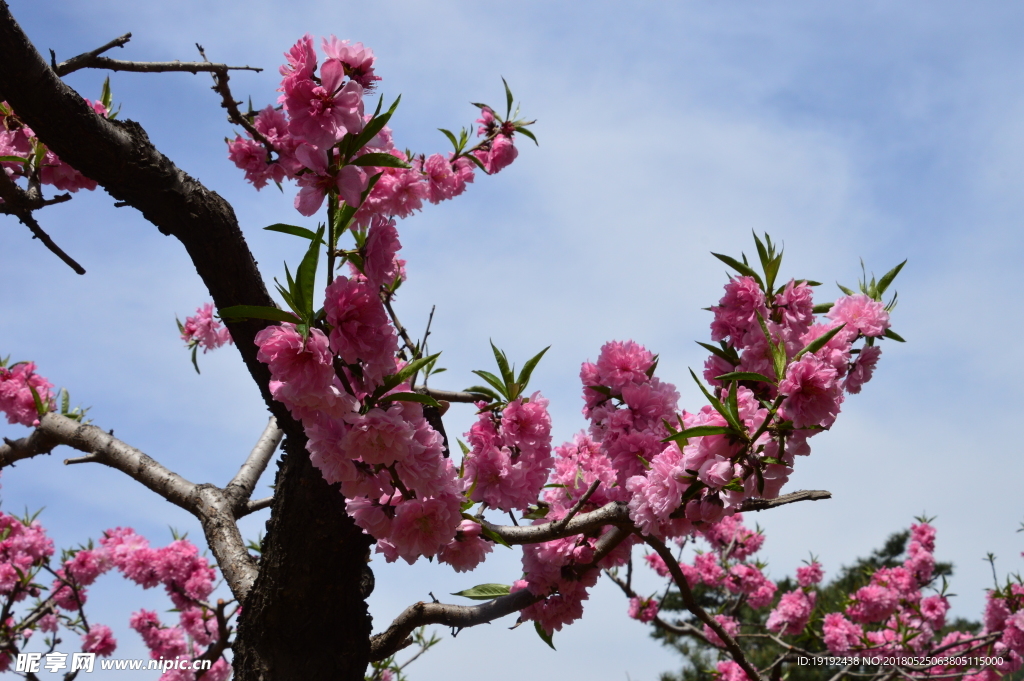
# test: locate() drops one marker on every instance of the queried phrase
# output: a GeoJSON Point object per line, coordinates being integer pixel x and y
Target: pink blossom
{"type": "Point", "coordinates": [809, 575]}
{"type": "Point", "coordinates": [16, 399]}
{"type": "Point", "coordinates": [873, 603]}
{"type": "Point", "coordinates": [423, 526]}
{"type": "Point", "coordinates": [444, 182]}
{"type": "Point", "coordinates": [379, 436]}
{"type": "Point", "coordinates": [621, 363]}
{"type": "Point", "coordinates": [736, 313]}
{"type": "Point", "coordinates": [862, 313]}
{"type": "Point", "coordinates": [729, 624]}
{"type": "Point", "coordinates": [863, 368]}
{"type": "Point", "coordinates": [321, 114]}
{"type": "Point", "coordinates": [99, 640]}
{"type": "Point", "coordinates": [301, 59]}
{"type": "Point", "coordinates": [349, 182]}
{"type": "Point", "coordinates": [399, 192]}
{"type": "Point", "coordinates": [796, 305]}
{"type": "Point", "coordinates": [841, 635]}
{"type": "Point", "coordinates": [379, 263]}
{"type": "Point", "coordinates": [503, 152]}
{"type": "Point", "coordinates": [934, 609]}
{"type": "Point", "coordinates": [731, 671]}
{"type": "Point", "coordinates": [467, 550]}
{"type": "Point", "coordinates": [645, 609]}
{"type": "Point", "coordinates": [204, 330]}
{"type": "Point", "coordinates": [813, 394]}
{"type": "Point", "coordinates": [358, 60]}
{"type": "Point", "coordinates": [792, 613]}
{"type": "Point", "coordinates": [362, 332]}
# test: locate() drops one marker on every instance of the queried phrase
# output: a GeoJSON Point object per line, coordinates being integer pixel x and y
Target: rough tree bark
{"type": "Point", "coordinates": [306, 617]}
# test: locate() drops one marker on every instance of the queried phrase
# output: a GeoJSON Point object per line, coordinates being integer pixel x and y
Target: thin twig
{"type": "Point", "coordinates": [221, 87]}
{"type": "Point", "coordinates": [79, 62]}
{"type": "Point", "coordinates": [16, 202]}
{"type": "Point", "coordinates": [559, 525]}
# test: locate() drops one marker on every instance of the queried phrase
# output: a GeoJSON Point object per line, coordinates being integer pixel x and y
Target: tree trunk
{"type": "Point", "coordinates": [305, 617]}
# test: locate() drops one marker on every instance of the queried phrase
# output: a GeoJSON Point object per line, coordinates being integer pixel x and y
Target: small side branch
{"type": "Point", "coordinates": [242, 485]}
{"type": "Point", "coordinates": [691, 604]}
{"type": "Point", "coordinates": [18, 202]}
{"type": "Point", "coordinates": [96, 62]}
{"type": "Point", "coordinates": [453, 395]}
{"type": "Point", "coordinates": [791, 498]}
{"type": "Point", "coordinates": [391, 641]}
{"type": "Point", "coordinates": [253, 506]}
{"type": "Point", "coordinates": [612, 513]}
{"type": "Point", "coordinates": [25, 448]}
{"type": "Point", "coordinates": [80, 62]}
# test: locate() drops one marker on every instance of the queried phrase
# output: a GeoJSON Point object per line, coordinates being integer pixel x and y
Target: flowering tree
{"type": "Point", "coordinates": [368, 463]}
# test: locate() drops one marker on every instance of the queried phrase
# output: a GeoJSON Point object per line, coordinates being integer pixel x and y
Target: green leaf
{"type": "Point", "coordinates": [887, 279]}
{"type": "Point", "coordinates": [744, 376]}
{"type": "Point", "coordinates": [379, 160]}
{"type": "Point", "coordinates": [819, 343]}
{"type": "Point", "coordinates": [305, 278]}
{"type": "Point", "coordinates": [527, 370]}
{"type": "Point", "coordinates": [740, 267]}
{"type": "Point", "coordinates": [536, 513]}
{"type": "Point", "coordinates": [411, 397]}
{"type": "Point", "coordinates": [493, 380]}
{"type": "Point", "coordinates": [734, 485]}
{"type": "Point", "coordinates": [195, 358]}
{"type": "Point", "coordinates": [844, 289]}
{"type": "Point", "coordinates": [889, 333]}
{"type": "Point", "coordinates": [256, 312]}
{"type": "Point", "coordinates": [508, 99]}
{"type": "Point", "coordinates": [523, 130]}
{"type": "Point", "coordinates": [699, 431]}
{"type": "Point", "coordinates": [730, 357]}
{"type": "Point", "coordinates": [487, 533]}
{"type": "Point", "coordinates": [450, 136]}
{"type": "Point", "coordinates": [106, 97]}
{"type": "Point", "coordinates": [544, 635]}
{"type": "Point", "coordinates": [717, 405]}
{"type": "Point", "coordinates": [13, 159]}
{"type": "Point", "coordinates": [502, 360]}
{"type": "Point", "coordinates": [408, 370]}
{"type": "Point", "coordinates": [293, 230]}
{"type": "Point", "coordinates": [603, 389]}
{"type": "Point", "coordinates": [822, 308]}
{"type": "Point", "coordinates": [41, 409]}
{"type": "Point", "coordinates": [374, 126]}
{"type": "Point", "coordinates": [778, 350]}
{"type": "Point", "coordinates": [485, 592]}
{"type": "Point", "coordinates": [483, 392]}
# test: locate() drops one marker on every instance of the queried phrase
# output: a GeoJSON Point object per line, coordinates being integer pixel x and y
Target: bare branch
{"type": "Point", "coordinates": [221, 87]}
{"type": "Point", "coordinates": [691, 604]}
{"type": "Point", "coordinates": [17, 202]}
{"type": "Point", "coordinates": [460, 616]}
{"type": "Point", "coordinates": [612, 513]}
{"type": "Point", "coordinates": [253, 506]}
{"type": "Point", "coordinates": [208, 503]}
{"type": "Point", "coordinates": [94, 61]}
{"type": "Point", "coordinates": [34, 444]}
{"type": "Point", "coordinates": [793, 497]}
{"type": "Point", "coordinates": [560, 525]}
{"type": "Point", "coordinates": [241, 486]}
{"type": "Point", "coordinates": [453, 396]}
{"type": "Point", "coordinates": [681, 629]}
{"type": "Point", "coordinates": [70, 65]}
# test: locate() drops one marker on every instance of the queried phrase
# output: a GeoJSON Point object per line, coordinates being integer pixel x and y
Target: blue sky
{"type": "Point", "coordinates": [667, 130]}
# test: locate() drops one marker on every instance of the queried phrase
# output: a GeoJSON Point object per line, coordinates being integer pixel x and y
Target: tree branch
{"type": "Point", "coordinates": [241, 486]}
{"type": "Point", "coordinates": [92, 60]}
{"type": "Point", "coordinates": [31, 445]}
{"type": "Point", "coordinates": [612, 513]}
{"type": "Point", "coordinates": [453, 396]}
{"type": "Point", "coordinates": [66, 67]}
{"type": "Point", "coordinates": [691, 604]}
{"type": "Point", "coordinates": [792, 497]}
{"type": "Point", "coordinates": [17, 202]}
{"type": "Point", "coordinates": [391, 641]}
{"type": "Point", "coordinates": [253, 506]}
{"type": "Point", "coordinates": [682, 629]}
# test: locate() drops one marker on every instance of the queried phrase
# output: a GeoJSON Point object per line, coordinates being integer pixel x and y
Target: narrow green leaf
{"type": "Point", "coordinates": [717, 404]}
{"type": "Point", "coordinates": [256, 312]}
{"type": "Point", "coordinates": [502, 360]}
{"type": "Point", "coordinates": [522, 129]}
{"type": "Point", "coordinates": [740, 267]}
{"type": "Point", "coordinates": [411, 397]}
{"type": "Point", "coordinates": [699, 431]}
{"type": "Point", "coordinates": [293, 230]}
{"type": "Point", "coordinates": [484, 592]}
{"type": "Point", "coordinates": [195, 358]}
{"type": "Point", "coordinates": [379, 160]}
{"type": "Point", "coordinates": [823, 308]}
{"type": "Point", "coordinates": [483, 392]}
{"type": "Point", "coordinates": [462, 446]}
{"type": "Point", "coordinates": [527, 370]}
{"type": "Point", "coordinates": [544, 635]}
{"type": "Point", "coordinates": [493, 380]}
{"type": "Point", "coordinates": [305, 278]}
{"type": "Point", "coordinates": [41, 409]}
{"type": "Point", "coordinates": [106, 97]}
{"type": "Point", "coordinates": [450, 136]}
{"type": "Point", "coordinates": [844, 289]}
{"type": "Point", "coordinates": [731, 358]}
{"type": "Point", "coordinates": [408, 370]}
{"type": "Point", "coordinates": [819, 343]}
{"type": "Point", "coordinates": [889, 333]}
{"type": "Point", "coordinates": [374, 126]}
{"type": "Point", "coordinates": [887, 278]}
{"type": "Point", "coordinates": [744, 376]}
{"type": "Point", "coordinates": [491, 534]}
{"type": "Point", "coordinates": [603, 389]}
{"type": "Point", "coordinates": [13, 159]}
{"type": "Point", "coordinates": [536, 513]}
{"type": "Point", "coordinates": [508, 99]}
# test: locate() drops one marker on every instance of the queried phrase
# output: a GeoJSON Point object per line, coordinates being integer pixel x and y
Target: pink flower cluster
{"type": "Point", "coordinates": [643, 609]}
{"type": "Point", "coordinates": [17, 139]}
{"type": "Point", "coordinates": [510, 454]}
{"type": "Point", "coordinates": [319, 111]}
{"type": "Point", "coordinates": [204, 331]}
{"type": "Point", "coordinates": [24, 548]}
{"type": "Point", "coordinates": [16, 400]}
